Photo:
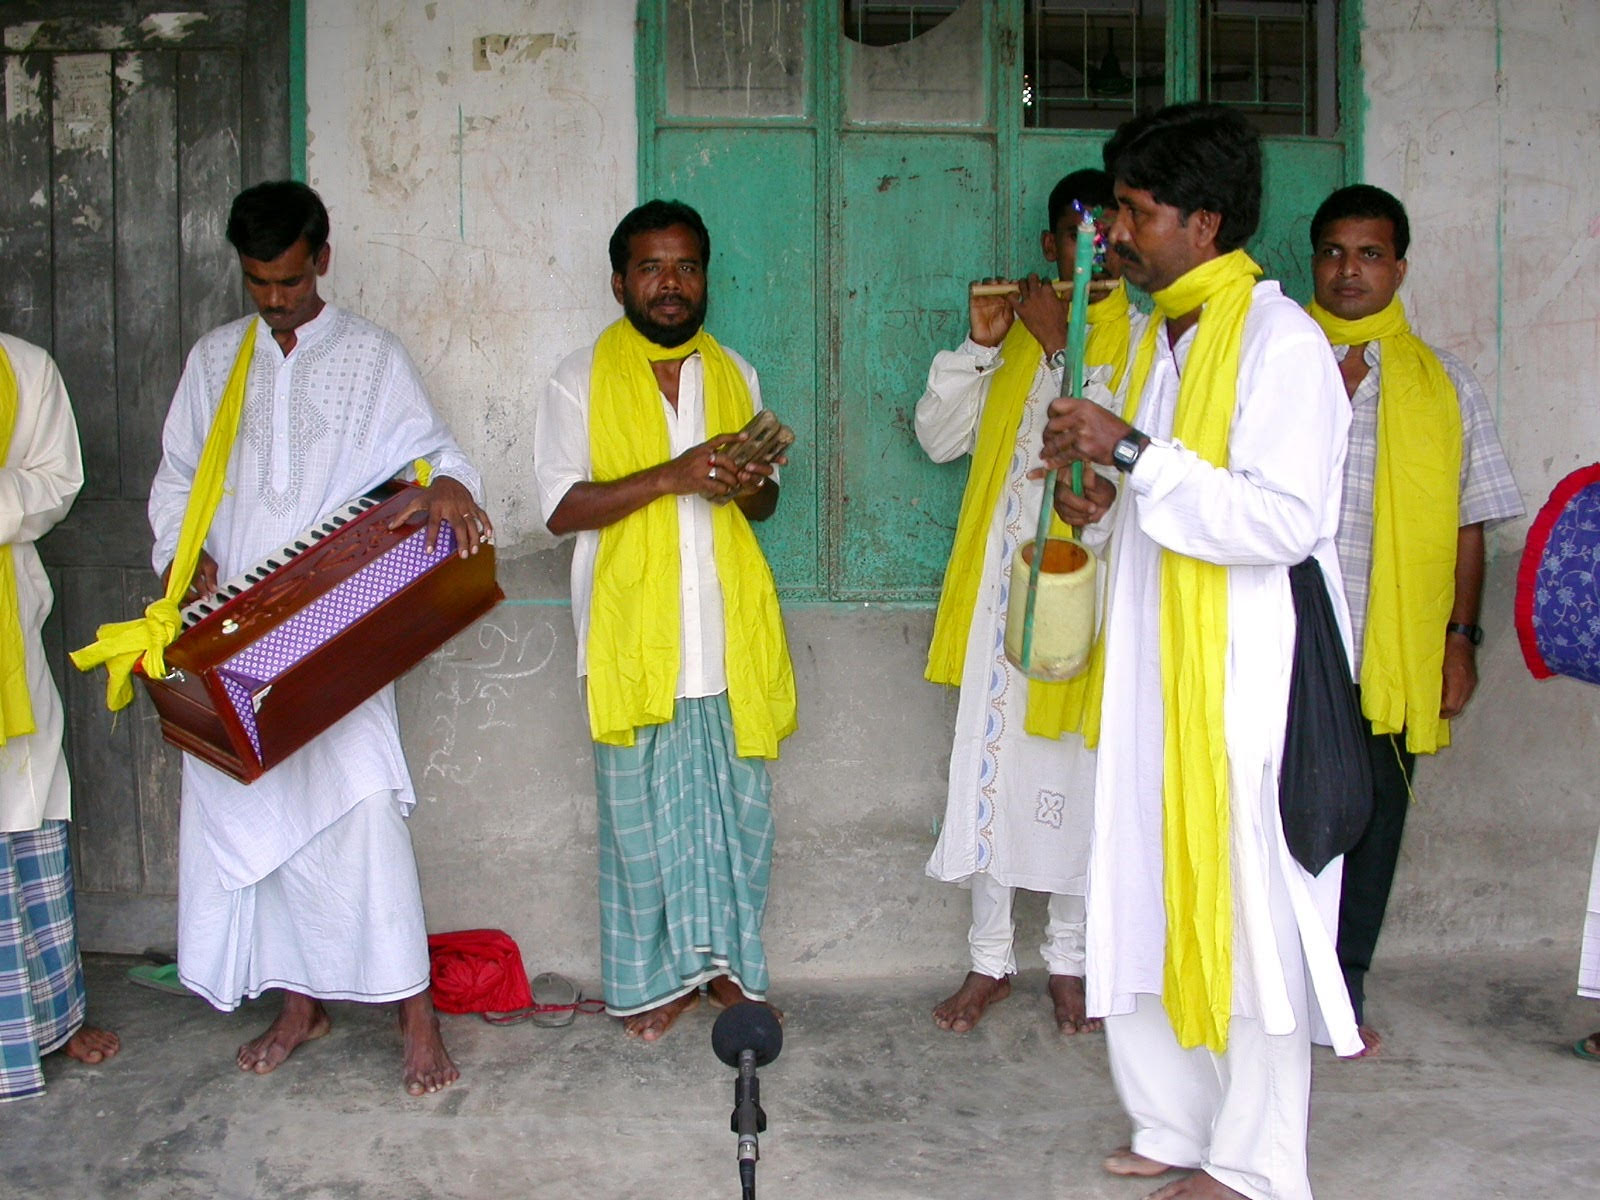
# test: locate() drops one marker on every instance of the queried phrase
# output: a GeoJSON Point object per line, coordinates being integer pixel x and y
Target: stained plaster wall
{"type": "Point", "coordinates": [476, 156]}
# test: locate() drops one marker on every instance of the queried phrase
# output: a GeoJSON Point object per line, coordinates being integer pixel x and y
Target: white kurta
{"type": "Point", "coordinates": [41, 477]}
{"type": "Point", "coordinates": [1589, 964]}
{"type": "Point", "coordinates": [344, 411]}
{"type": "Point", "coordinates": [1276, 503]}
{"type": "Point", "coordinates": [1019, 806]}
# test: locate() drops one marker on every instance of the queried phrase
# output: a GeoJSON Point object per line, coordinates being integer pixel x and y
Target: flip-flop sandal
{"type": "Point", "coordinates": [1581, 1049]}
{"type": "Point", "coordinates": [160, 978]}
{"type": "Point", "coordinates": [556, 1004]}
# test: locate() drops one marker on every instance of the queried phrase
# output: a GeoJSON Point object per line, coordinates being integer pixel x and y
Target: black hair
{"type": "Point", "coordinates": [1363, 200]}
{"type": "Point", "coordinates": [1193, 157]}
{"type": "Point", "coordinates": [270, 217]}
{"type": "Point", "coordinates": [651, 216]}
{"type": "Point", "coordinates": [1089, 186]}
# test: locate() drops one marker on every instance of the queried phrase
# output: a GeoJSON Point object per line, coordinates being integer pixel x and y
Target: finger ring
{"type": "Point", "coordinates": [713, 474]}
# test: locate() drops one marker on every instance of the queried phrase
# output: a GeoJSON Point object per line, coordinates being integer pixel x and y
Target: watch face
{"type": "Point", "coordinates": [1126, 452]}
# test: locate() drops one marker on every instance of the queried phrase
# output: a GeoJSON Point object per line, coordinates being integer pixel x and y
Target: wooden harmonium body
{"type": "Point", "coordinates": [283, 651]}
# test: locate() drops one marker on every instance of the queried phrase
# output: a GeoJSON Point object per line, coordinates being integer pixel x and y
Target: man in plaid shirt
{"type": "Point", "coordinates": [1359, 238]}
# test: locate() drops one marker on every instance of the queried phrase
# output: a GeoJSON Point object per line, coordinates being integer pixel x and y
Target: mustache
{"type": "Point", "coordinates": [1127, 254]}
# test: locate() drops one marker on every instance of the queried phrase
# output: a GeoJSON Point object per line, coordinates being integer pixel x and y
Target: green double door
{"type": "Point", "coordinates": [852, 191]}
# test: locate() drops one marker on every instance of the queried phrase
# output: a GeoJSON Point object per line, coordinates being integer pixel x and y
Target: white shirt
{"type": "Point", "coordinates": [342, 412]}
{"type": "Point", "coordinates": [41, 476]}
{"type": "Point", "coordinates": [561, 459]}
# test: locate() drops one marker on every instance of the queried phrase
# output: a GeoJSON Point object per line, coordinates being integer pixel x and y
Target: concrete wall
{"type": "Point", "coordinates": [476, 156]}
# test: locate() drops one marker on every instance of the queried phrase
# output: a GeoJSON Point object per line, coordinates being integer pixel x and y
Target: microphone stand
{"type": "Point", "coordinates": [748, 1120]}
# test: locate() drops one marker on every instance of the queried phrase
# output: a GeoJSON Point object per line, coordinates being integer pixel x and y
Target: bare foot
{"type": "Point", "coordinates": [1198, 1186]}
{"type": "Point", "coordinates": [651, 1024]}
{"type": "Point", "coordinates": [960, 1012]}
{"type": "Point", "coordinates": [91, 1045]}
{"type": "Point", "coordinates": [1124, 1161]}
{"type": "Point", "coordinates": [1591, 1044]}
{"type": "Point", "coordinates": [302, 1019]}
{"type": "Point", "coordinates": [1072, 1011]}
{"type": "Point", "coordinates": [428, 1066]}
{"type": "Point", "coordinates": [1371, 1043]}
{"type": "Point", "coordinates": [724, 992]}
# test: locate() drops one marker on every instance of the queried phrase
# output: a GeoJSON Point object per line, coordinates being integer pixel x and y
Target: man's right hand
{"type": "Point", "coordinates": [990, 316]}
{"type": "Point", "coordinates": [204, 582]}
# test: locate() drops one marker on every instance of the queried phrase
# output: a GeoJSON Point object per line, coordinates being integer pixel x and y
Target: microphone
{"type": "Point", "coordinates": [747, 1036]}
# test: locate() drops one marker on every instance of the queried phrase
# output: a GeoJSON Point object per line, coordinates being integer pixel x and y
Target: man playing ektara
{"type": "Point", "coordinates": [1210, 949]}
{"type": "Point", "coordinates": [1021, 787]}
{"type": "Point", "coordinates": [680, 640]}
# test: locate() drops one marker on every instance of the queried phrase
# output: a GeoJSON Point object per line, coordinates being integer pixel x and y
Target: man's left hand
{"type": "Point", "coordinates": [1081, 429]}
{"type": "Point", "coordinates": [1460, 674]}
{"type": "Point", "coordinates": [447, 500]}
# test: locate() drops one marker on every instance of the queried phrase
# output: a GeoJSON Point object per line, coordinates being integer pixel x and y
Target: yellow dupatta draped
{"type": "Point", "coordinates": [1197, 980]}
{"type": "Point", "coordinates": [1052, 708]}
{"type": "Point", "coordinates": [635, 634]}
{"type": "Point", "coordinates": [1416, 516]}
{"type": "Point", "coordinates": [122, 644]}
{"type": "Point", "coordinates": [16, 705]}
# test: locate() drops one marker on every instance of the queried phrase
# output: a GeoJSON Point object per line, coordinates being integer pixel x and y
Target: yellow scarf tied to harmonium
{"type": "Point", "coordinates": [123, 644]}
{"type": "Point", "coordinates": [16, 705]}
{"type": "Point", "coordinates": [1197, 980]}
{"type": "Point", "coordinates": [635, 630]}
{"type": "Point", "coordinates": [1053, 708]}
{"type": "Point", "coordinates": [1416, 517]}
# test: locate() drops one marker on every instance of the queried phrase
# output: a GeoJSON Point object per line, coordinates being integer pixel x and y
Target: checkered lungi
{"type": "Point", "coordinates": [685, 856]}
{"type": "Point", "coordinates": [41, 977]}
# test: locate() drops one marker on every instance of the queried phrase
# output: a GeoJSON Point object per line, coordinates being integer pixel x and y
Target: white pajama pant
{"type": "Point", "coordinates": [993, 934]}
{"type": "Point", "coordinates": [340, 920]}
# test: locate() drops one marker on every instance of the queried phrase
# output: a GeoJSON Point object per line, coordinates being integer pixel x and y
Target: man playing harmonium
{"type": "Point", "coordinates": [305, 880]}
{"type": "Point", "coordinates": [637, 451]}
{"type": "Point", "coordinates": [1424, 474]}
{"type": "Point", "coordinates": [1021, 787]}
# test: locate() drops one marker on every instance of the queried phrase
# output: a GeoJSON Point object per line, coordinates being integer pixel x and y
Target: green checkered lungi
{"type": "Point", "coordinates": [685, 857]}
{"type": "Point", "coordinates": [41, 977]}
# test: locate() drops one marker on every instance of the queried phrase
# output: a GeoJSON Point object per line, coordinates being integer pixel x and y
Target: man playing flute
{"type": "Point", "coordinates": [1210, 949]}
{"type": "Point", "coordinates": [1018, 808]}
{"type": "Point", "coordinates": [680, 639]}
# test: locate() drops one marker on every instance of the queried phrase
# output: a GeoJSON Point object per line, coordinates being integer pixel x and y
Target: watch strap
{"type": "Point", "coordinates": [1473, 633]}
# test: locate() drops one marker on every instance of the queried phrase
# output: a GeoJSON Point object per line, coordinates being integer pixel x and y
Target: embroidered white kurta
{"type": "Point", "coordinates": [38, 482]}
{"type": "Point", "coordinates": [1276, 502]}
{"type": "Point", "coordinates": [1018, 806]}
{"type": "Point", "coordinates": [341, 413]}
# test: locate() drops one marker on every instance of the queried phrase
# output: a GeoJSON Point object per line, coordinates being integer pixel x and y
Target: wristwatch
{"type": "Point", "coordinates": [1473, 633]}
{"type": "Point", "coordinates": [1126, 452]}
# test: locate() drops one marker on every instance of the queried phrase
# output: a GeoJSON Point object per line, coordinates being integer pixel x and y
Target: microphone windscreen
{"type": "Point", "coordinates": [747, 1026]}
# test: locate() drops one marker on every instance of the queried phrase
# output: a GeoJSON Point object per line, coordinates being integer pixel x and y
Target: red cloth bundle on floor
{"type": "Point", "coordinates": [477, 970]}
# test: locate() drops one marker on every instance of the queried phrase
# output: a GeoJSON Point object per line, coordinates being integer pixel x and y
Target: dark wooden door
{"type": "Point", "coordinates": [128, 129]}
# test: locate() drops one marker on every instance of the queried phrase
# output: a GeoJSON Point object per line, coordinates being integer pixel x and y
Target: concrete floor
{"type": "Point", "coordinates": [1477, 1096]}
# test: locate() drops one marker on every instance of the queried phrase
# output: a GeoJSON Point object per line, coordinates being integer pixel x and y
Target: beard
{"type": "Point", "coordinates": [669, 336]}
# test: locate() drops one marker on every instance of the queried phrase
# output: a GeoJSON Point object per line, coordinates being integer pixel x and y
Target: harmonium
{"type": "Point", "coordinates": [283, 651]}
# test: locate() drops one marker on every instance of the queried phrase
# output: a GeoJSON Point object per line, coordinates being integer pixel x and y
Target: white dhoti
{"type": "Point", "coordinates": [1589, 964]}
{"type": "Point", "coordinates": [340, 919]}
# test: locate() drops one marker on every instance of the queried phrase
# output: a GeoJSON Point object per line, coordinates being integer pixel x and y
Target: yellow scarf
{"type": "Point", "coordinates": [1416, 515]}
{"type": "Point", "coordinates": [1053, 708]}
{"type": "Point", "coordinates": [122, 644]}
{"type": "Point", "coordinates": [1197, 983]}
{"type": "Point", "coordinates": [16, 706]}
{"type": "Point", "coordinates": [635, 633]}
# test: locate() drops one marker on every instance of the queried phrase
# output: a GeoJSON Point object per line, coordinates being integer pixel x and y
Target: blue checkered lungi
{"type": "Point", "coordinates": [686, 839]}
{"type": "Point", "coordinates": [42, 1000]}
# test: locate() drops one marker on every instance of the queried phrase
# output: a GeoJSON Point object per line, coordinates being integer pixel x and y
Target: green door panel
{"type": "Point", "coordinates": [916, 224]}
{"type": "Point", "coordinates": [1298, 174]}
{"type": "Point", "coordinates": [755, 188]}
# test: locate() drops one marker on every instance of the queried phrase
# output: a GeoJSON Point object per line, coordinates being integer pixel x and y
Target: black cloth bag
{"type": "Point", "coordinates": [1325, 777]}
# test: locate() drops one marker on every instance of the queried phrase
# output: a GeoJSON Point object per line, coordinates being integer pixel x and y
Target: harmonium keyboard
{"type": "Point", "coordinates": [281, 652]}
